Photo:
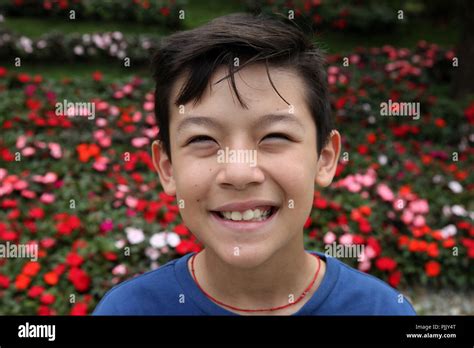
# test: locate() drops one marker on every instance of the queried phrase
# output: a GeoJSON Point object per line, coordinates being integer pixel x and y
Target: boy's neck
{"type": "Point", "coordinates": [282, 278]}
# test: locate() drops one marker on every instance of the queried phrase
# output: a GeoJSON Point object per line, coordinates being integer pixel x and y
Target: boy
{"type": "Point", "coordinates": [248, 216]}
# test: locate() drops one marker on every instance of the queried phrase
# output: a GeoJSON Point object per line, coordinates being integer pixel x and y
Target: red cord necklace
{"type": "Point", "coordinates": [257, 310]}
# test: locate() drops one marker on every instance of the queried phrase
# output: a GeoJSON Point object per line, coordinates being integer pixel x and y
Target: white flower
{"type": "Point", "coordinates": [173, 239]}
{"type": "Point", "coordinates": [383, 160]}
{"type": "Point", "coordinates": [158, 240]}
{"type": "Point", "coordinates": [458, 210]}
{"type": "Point", "coordinates": [448, 231]}
{"type": "Point", "coordinates": [455, 186]}
{"type": "Point", "coordinates": [134, 235]}
{"type": "Point", "coordinates": [117, 35]}
{"type": "Point", "coordinates": [120, 244]}
{"type": "Point", "coordinates": [79, 50]}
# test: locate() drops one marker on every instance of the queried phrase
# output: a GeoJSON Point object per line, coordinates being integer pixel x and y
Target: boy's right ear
{"type": "Point", "coordinates": [163, 167]}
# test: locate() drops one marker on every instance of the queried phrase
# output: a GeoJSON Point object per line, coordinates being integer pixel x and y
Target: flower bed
{"type": "Point", "coordinates": [86, 191]}
{"type": "Point", "coordinates": [105, 46]}
{"type": "Point", "coordinates": [367, 16]}
{"type": "Point", "coordinates": [163, 12]}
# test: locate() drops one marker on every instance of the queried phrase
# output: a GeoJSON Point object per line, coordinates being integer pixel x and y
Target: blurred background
{"type": "Point", "coordinates": [85, 190]}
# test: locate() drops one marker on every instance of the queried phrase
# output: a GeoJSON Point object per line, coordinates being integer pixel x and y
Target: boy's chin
{"type": "Point", "coordinates": [245, 258]}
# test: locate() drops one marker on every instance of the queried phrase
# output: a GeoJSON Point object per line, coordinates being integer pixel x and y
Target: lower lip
{"type": "Point", "coordinates": [245, 226]}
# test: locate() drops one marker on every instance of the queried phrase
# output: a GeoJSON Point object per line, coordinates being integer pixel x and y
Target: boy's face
{"type": "Point", "coordinates": [284, 172]}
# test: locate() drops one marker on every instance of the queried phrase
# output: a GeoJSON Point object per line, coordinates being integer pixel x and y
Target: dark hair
{"type": "Point", "coordinates": [252, 38]}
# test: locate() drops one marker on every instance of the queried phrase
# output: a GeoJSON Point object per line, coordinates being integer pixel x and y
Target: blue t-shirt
{"type": "Point", "coordinates": [171, 290]}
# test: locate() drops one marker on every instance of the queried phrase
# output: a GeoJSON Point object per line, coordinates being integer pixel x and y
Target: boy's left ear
{"type": "Point", "coordinates": [164, 168]}
{"type": "Point", "coordinates": [327, 162]}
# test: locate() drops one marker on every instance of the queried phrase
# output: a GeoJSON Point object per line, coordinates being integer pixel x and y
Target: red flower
{"type": "Point", "coordinates": [432, 268]}
{"type": "Point", "coordinates": [432, 250]}
{"type": "Point", "coordinates": [440, 123]}
{"type": "Point", "coordinates": [24, 78]}
{"type": "Point", "coordinates": [45, 310]}
{"type": "Point", "coordinates": [35, 291]}
{"type": "Point", "coordinates": [51, 278]}
{"type": "Point", "coordinates": [79, 309]}
{"type": "Point", "coordinates": [308, 222]}
{"type": "Point", "coordinates": [79, 279]}
{"type": "Point", "coordinates": [110, 255]}
{"type": "Point", "coordinates": [320, 203]}
{"type": "Point", "coordinates": [97, 76]}
{"type": "Point", "coordinates": [394, 278]}
{"type": "Point", "coordinates": [36, 213]}
{"type": "Point", "coordinates": [181, 230]}
{"type": "Point", "coordinates": [22, 282]}
{"type": "Point", "coordinates": [47, 299]}
{"type": "Point", "coordinates": [66, 223]}
{"type": "Point", "coordinates": [165, 11]}
{"type": "Point", "coordinates": [187, 246]}
{"type": "Point", "coordinates": [86, 151]}
{"type": "Point", "coordinates": [371, 138]}
{"type": "Point", "coordinates": [74, 259]}
{"type": "Point", "coordinates": [386, 264]}
{"type": "Point", "coordinates": [31, 268]}
{"type": "Point", "coordinates": [4, 281]}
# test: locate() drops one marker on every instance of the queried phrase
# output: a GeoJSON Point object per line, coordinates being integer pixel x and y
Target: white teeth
{"type": "Point", "coordinates": [249, 214]}
{"type": "Point", "coordinates": [235, 215]}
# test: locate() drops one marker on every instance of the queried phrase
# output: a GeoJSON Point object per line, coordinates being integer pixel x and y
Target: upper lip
{"type": "Point", "coordinates": [242, 206]}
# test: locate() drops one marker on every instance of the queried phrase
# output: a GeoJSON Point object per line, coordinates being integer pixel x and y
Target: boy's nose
{"type": "Point", "coordinates": [239, 175]}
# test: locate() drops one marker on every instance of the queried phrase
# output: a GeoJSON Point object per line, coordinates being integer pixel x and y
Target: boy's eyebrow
{"type": "Point", "coordinates": [264, 120]}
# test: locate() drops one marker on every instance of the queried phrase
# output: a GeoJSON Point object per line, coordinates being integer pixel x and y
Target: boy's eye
{"type": "Point", "coordinates": [277, 135]}
{"type": "Point", "coordinates": [200, 139]}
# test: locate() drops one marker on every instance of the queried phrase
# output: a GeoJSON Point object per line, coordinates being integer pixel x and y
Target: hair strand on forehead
{"type": "Point", "coordinates": [196, 54]}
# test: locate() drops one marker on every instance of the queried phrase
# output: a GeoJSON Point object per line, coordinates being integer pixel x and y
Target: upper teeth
{"type": "Point", "coordinates": [246, 215]}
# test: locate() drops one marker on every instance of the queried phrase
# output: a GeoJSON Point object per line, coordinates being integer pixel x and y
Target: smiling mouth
{"type": "Point", "coordinates": [247, 216]}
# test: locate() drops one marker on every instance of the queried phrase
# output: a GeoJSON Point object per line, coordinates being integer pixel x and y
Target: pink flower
{"type": "Point", "coordinates": [3, 173]}
{"type": "Point", "coordinates": [370, 252]}
{"type": "Point", "coordinates": [47, 198]}
{"type": "Point", "coordinates": [140, 142]}
{"type": "Point", "coordinates": [21, 142]}
{"type": "Point", "coordinates": [28, 151]}
{"type": "Point", "coordinates": [55, 150]}
{"type": "Point", "coordinates": [407, 217]}
{"type": "Point", "coordinates": [107, 225]}
{"type": "Point", "coordinates": [329, 237]}
{"type": "Point", "coordinates": [345, 239]}
{"type": "Point", "coordinates": [385, 192]}
{"type": "Point", "coordinates": [419, 221]}
{"type": "Point", "coordinates": [100, 164]}
{"type": "Point", "coordinates": [131, 202]}
{"type": "Point", "coordinates": [28, 194]}
{"type": "Point", "coordinates": [148, 106]}
{"type": "Point", "coordinates": [50, 178]}
{"type": "Point", "coordinates": [20, 185]}
{"type": "Point", "coordinates": [364, 266]}
{"type": "Point", "coordinates": [419, 206]}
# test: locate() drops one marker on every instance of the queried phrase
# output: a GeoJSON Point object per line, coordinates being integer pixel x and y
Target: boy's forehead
{"type": "Point", "coordinates": [254, 87]}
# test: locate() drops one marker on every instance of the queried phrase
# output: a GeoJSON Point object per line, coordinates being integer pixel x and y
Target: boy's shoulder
{"type": "Point", "coordinates": [134, 296]}
{"type": "Point", "coordinates": [358, 293]}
